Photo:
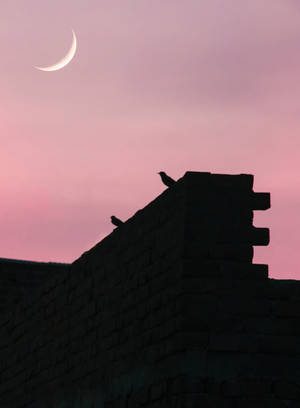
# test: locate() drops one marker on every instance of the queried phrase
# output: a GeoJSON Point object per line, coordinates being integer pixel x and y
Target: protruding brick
{"type": "Point", "coordinates": [260, 201]}
{"type": "Point", "coordinates": [260, 236]}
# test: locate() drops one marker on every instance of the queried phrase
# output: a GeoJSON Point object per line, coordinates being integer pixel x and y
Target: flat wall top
{"type": "Point", "coordinates": [22, 261]}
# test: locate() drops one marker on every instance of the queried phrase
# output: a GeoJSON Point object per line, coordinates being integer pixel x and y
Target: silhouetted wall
{"type": "Point", "coordinates": [166, 311]}
{"type": "Point", "coordinates": [18, 279]}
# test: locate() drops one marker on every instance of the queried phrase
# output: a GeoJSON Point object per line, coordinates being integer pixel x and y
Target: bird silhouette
{"type": "Point", "coordinates": [116, 221]}
{"type": "Point", "coordinates": [168, 181]}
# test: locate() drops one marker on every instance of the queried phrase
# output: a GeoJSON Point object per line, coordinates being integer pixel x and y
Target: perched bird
{"type": "Point", "coordinates": [168, 181]}
{"type": "Point", "coordinates": [116, 221]}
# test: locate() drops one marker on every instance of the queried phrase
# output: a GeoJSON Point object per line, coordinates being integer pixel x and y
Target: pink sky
{"type": "Point", "coordinates": [155, 85]}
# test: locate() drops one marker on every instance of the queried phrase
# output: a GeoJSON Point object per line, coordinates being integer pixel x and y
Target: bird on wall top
{"type": "Point", "coordinates": [167, 180]}
{"type": "Point", "coordinates": [116, 221]}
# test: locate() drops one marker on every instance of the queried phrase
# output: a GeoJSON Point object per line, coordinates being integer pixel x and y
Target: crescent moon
{"type": "Point", "coordinates": [64, 61]}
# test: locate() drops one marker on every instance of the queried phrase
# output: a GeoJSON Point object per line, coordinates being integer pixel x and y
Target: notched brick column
{"type": "Point", "coordinates": [219, 231]}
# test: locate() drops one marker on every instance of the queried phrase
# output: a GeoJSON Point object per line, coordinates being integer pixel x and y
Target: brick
{"type": "Point", "coordinates": [256, 387]}
{"type": "Point", "coordinates": [259, 403]}
{"type": "Point", "coordinates": [247, 306]}
{"type": "Point", "coordinates": [206, 401]}
{"type": "Point", "coordinates": [233, 342]}
{"type": "Point", "coordinates": [231, 389]}
{"type": "Point", "coordinates": [278, 343]}
{"type": "Point", "coordinates": [286, 308]}
{"type": "Point", "coordinates": [188, 384]}
{"type": "Point", "coordinates": [237, 252]}
{"type": "Point", "coordinates": [157, 391]}
{"type": "Point", "coordinates": [286, 390]}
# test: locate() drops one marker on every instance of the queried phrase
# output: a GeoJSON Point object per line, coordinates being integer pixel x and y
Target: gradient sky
{"type": "Point", "coordinates": [200, 85]}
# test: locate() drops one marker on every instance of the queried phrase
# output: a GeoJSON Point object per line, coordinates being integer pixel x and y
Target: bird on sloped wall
{"type": "Point", "coordinates": [167, 180]}
{"type": "Point", "coordinates": [116, 221]}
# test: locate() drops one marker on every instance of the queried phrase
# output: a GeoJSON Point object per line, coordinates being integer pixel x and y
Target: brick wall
{"type": "Point", "coordinates": [166, 311]}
